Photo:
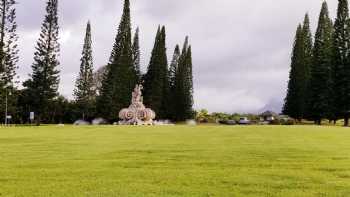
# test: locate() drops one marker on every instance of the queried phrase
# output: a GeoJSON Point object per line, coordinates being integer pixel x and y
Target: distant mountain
{"type": "Point", "coordinates": [274, 105]}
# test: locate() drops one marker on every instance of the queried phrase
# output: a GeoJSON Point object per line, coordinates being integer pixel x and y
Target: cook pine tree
{"type": "Point", "coordinates": [320, 86]}
{"type": "Point", "coordinates": [297, 93]}
{"type": "Point", "coordinates": [184, 85]}
{"type": "Point", "coordinates": [8, 41]}
{"type": "Point", "coordinates": [179, 90]}
{"type": "Point", "coordinates": [173, 68]}
{"type": "Point", "coordinates": [188, 104]}
{"type": "Point", "coordinates": [8, 54]}
{"type": "Point", "coordinates": [341, 66]}
{"type": "Point", "coordinates": [136, 55]}
{"type": "Point", "coordinates": [44, 80]}
{"type": "Point", "coordinates": [85, 93]}
{"type": "Point", "coordinates": [156, 80]}
{"type": "Point", "coordinates": [121, 77]}
{"type": "Point", "coordinates": [307, 61]}
{"type": "Point", "coordinates": [292, 100]}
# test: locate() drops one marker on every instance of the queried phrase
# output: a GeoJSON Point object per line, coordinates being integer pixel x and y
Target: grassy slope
{"type": "Point", "coordinates": [175, 161]}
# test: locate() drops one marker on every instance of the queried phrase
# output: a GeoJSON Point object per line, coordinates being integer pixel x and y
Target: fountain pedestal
{"type": "Point", "coordinates": [137, 113]}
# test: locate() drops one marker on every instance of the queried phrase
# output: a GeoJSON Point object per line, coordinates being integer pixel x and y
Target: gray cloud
{"type": "Point", "coordinates": [241, 49]}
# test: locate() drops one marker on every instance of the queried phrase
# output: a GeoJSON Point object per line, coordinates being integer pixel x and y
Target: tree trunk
{"type": "Point", "coordinates": [346, 121]}
{"type": "Point", "coordinates": [299, 121]}
{"type": "Point", "coordinates": [318, 122]}
{"type": "Point", "coordinates": [2, 37]}
{"type": "Point", "coordinates": [38, 120]}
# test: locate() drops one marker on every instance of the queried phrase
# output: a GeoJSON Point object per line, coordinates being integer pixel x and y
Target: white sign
{"type": "Point", "coordinates": [31, 116]}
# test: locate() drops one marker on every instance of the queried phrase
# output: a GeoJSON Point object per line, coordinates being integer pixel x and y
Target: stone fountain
{"type": "Point", "coordinates": [137, 113]}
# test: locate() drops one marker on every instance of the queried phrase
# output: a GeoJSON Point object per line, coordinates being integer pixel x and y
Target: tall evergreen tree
{"type": "Point", "coordinates": [293, 99]}
{"type": "Point", "coordinates": [8, 54]}
{"type": "Point", "coordinates": [174, 66]}
{"type": "Point", "coordinates": [184, 85]}
{"type": "Point", "coordinates": [85, 92]}
{"type": "Point", "coordinates": [304, 69]}
{"type": "Point", "coordinates": [297, 94]}
{"type": "Point", "coordinates": [156, 80]}
{"type": "Point", "coordinates": [172, 81]}
{"type": "Point", "coordinates": [136, 54]}
{"type": "Point", "coordinates": [164, 111]}
{"type": "Point", "coordinates": [121, 76]}
{"type": "Point", "coordinates": [320, 79]}
{"type": "Point", "coordinates": [341, 62]}
{"type": "Point", "coordinates": [44, 80]}
{"type": "Point", "coordinates": [189, 112]}
{"type": "Point", "coordinates": [8, 41]}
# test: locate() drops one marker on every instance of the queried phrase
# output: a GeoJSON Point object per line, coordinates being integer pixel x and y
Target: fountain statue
{"type": "Point", "coordinates": [137, 113]}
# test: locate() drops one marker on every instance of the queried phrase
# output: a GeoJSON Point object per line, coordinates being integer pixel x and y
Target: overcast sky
{"type": "Point", "coordinates": [241, 49]}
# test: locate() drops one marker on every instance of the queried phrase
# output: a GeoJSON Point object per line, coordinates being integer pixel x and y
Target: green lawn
{"type": "Point", "coordinates": [175, 161]}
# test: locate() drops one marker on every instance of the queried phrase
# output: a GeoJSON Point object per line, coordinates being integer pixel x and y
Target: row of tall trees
{"type": "Point", "coordinates": [319, 85]}
{"type": "Point", "coordinates": [102, 94]}
{"type": "Point", "coordinates": [169, 92]}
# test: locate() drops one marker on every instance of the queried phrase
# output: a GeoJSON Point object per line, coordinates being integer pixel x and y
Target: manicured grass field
{"type": "Point", "coordinates": [175, 161]}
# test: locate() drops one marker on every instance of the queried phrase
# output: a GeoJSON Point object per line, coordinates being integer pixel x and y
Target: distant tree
{"type": "Point", "coordinates": [184, 85]}
{"type": "Point", "coordinates": [156, 80]}
{"type": "Point", "coordinates": [172, 81]}
{"type": "Point", "coordinates": [188, 86]}
{"type": "Point", "coordinates": [8, 54]}
{"type": "Point", "coordinates": [8, 41]}
{"type": "Point", "coordinates": [121, 77]}
{"type": "Point", "coordinates": [60, 110]}
{"type": "Point", "coordinates": [43, 83]}
{"type": "Point", "coordinates": [293, 99]}
{"type": "Point", "coordinates": [297, 93]}
{"type": "Point", "coordinates": [63, 111]}
{"type": "Point", "coordinates": [98, 78]}
{"type": "Point", "coordinates": [304, 69]}
{"type": "Point", "coordinates": [174, 66]}
{"type": "Point", "coordinates": [203, 116]}
{"type": "Point", "coordinates": [164, 110]}
{"type": "Point", "coordinates": [341, 68]}
{"type": "Point", "coordinates": [136, 55]}
{"type": "Point", "coordinates": [85, 93]}
{"type": "Point", "coordinates": [24, 106]}
{"type": "Point", "coordinates": [321, 69]}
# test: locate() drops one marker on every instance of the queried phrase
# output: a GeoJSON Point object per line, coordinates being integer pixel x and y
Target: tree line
{"type": "Point", "coordinates": [167, 89]}
{"type": "Point", "coordinates": [319, 82]}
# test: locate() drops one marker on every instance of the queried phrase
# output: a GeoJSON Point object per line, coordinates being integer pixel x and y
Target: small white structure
{"type": "Point", "coordinates": [137, 113]}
